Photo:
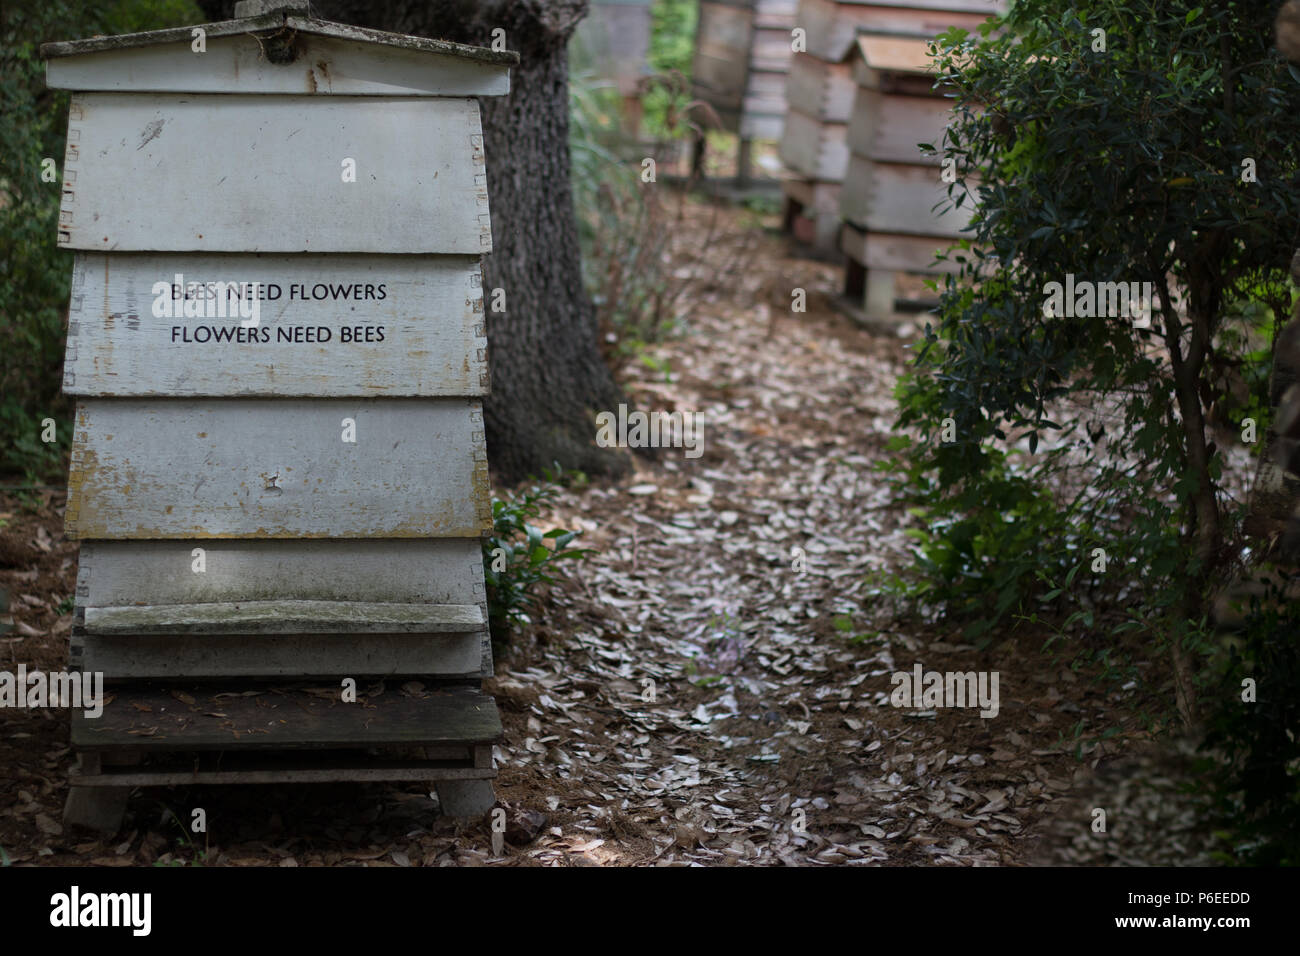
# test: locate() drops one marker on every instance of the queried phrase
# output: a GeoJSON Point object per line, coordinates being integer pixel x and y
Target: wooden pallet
{"type": "Point", "coordinates": [151, 735]}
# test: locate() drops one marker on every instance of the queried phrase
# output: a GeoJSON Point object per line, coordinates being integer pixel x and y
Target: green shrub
{"type": "Point", "coordinates": [518, 557]}
{"type": "Point", "coordinates": [1115, 165]}
{"type": "Point", "coordinates": [671, 56]}
{"type": "Point", "coordinates": [1122, 164]}
{"type": "Point", "coordinates": [626, 226]}
{"type": "Point", "coordinates": [625, 229]}
{"type": "Point", "coordinates": [980, 548]}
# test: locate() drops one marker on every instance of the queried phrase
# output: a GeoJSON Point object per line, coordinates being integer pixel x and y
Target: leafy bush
{"type": "Point", "coordinates": [518, 557]}
{"type": "Point", "coordinates": [626, 228]}
{"type": "Point", "coordinates": [620, 223]}
{"type": "Point", "coordinates": [671, 55]}
{"type": "Point", "coordinates": [1126, 163]}
{"type": "Point", "coordinates": [1122, 164]}
{"type": "Point", "coordinates": [979, 548]}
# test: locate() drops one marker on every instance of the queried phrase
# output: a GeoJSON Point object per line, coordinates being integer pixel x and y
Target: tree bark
{"type": "Point", "coordinates": [548, 377]}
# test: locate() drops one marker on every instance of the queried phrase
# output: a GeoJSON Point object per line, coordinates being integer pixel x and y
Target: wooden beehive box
{"type": "Point", "coordinates": [300, 494]}
{"type": "Point", "coordinates": [614, 40]}
{"type": "Point", "coordinates": [815, 148]}
{"type": "Point", "coordinates": [832, 25]}
{"type": "Point", "coordinates": [819, 97]}
{"type": "Point", "coordinates": [889, 198]}
{"type": "Point", "coordinates": [742, 55]}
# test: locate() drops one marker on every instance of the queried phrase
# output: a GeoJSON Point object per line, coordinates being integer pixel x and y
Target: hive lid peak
{"type": "Point", "coordinates": [277, 20]}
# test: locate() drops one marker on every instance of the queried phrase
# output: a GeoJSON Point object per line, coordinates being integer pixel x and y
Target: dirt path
{"type": "Point", "coordinates": [770, 739]}
{"type": "Point", "coordinates": [691, 695]}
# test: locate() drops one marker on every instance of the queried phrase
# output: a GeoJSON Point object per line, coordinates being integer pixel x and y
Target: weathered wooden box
{"type": "Point", "coordinates": [816, 145]}
{"type": "Point", "coordinates": [613, 40]}
{"type": "Point", "coordinates": [814, 148]}
{"type": "Point", "coordinates": [832, 25]}
{"type": "Point", "coordinates": [820, 89]}
{"type": "Point", "coordinates": [894, 202]}
{"type": "Point", "coordinates": [277, 344]}
{"type": "Point", "coordinates": [742, 55]}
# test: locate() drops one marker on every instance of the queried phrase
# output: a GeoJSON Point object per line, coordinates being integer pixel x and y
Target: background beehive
{"type": "Point", "coordinates": [894, 203]}
{"type": "Point", "coordinates": [742, 56]}
{"type": "Point", "coordinates": [821, 92]}
{"type": "Point", "coordinates": [613, 40]}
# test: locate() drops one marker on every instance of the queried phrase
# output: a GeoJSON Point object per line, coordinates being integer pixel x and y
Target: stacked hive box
{"type": "Point", "coordinates": [742, 56]}
{"type": "Point", "coordinates": [890, 195]}
{"type": "Point", "coordinates": [300, 493]}
{"type": "Point", "coordinates": [614, 40]}
{"type": "Point", "coordinates": [820, 95]}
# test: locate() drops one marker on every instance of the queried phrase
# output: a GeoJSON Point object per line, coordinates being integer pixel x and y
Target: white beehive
{"type": "Point", "coordinates": [742, 56]}
{"type": "Point", "coordinates": [815, 145]}
{"type": "Point", "coordinates": [313, 438]}
{"type": "Point", "coordinates": [894, 201]}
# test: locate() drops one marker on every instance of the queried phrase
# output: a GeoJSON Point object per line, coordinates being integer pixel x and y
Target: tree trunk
{"type": "Point", "coordinates": [1204, 533]}
{"type": "Point", "coordinates": [548, 378]}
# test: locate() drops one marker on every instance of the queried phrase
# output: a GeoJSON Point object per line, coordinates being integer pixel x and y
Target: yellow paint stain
{"type": "Point", "coordinates": [80, 512]}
